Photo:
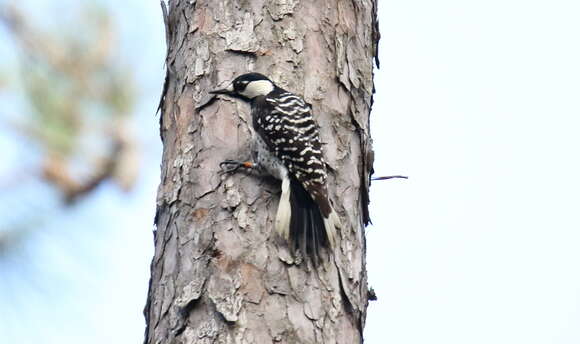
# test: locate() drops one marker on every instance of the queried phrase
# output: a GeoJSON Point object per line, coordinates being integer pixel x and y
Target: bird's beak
{"type": "Point", "coordinates": [228, 90]}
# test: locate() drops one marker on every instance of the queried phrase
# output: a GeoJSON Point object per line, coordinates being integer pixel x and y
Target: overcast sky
{"type": "Point", "coordinates": [478, 102]}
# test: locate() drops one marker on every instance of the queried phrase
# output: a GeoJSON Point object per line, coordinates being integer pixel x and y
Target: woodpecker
{"type": "Point", "coordinates": [287, 146]}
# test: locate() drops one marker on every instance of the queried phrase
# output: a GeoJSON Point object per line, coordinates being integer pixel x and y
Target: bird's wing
{"type": "Point", "coordinates": [286, 124]}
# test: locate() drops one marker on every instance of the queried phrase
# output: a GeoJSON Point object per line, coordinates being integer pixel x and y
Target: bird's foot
{"type": "Point", "coordinates": [231, 166]}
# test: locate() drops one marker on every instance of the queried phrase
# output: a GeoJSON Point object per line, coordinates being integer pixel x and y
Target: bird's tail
{"type": "Point", "coordinates": [300, 221]}
{"type": "Point", "coordinates": [284, 212]}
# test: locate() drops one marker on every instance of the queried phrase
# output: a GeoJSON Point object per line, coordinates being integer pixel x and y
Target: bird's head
{"type": "Point", "coordinates": [248, 86]}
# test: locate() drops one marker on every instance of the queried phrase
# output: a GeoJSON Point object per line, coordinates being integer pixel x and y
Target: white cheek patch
{"type": "Point", "coordinates": [257, 88]}
{"type": "Point", "coordinates": [230, 88]}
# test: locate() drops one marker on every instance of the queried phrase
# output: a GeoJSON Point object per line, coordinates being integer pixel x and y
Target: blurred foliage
{"type": "Point", "coordinates": [79, 99]}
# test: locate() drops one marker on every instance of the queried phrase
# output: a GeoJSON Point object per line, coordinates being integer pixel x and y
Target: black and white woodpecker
{"type": "Point", "coordinates": [287, 146]}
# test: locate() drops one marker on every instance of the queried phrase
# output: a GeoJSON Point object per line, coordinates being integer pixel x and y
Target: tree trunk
{"type": "Point", "coordinates": [220, 274]}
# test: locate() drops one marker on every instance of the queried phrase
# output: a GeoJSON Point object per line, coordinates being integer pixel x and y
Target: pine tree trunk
{"type": "Point", "coordinates": [220, 274]}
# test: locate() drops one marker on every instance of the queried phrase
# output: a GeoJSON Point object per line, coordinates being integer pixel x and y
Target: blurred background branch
{"type": "Point", "coordinates": [79, 100]}
{"type": "Point", "coordinates": [79, 81]}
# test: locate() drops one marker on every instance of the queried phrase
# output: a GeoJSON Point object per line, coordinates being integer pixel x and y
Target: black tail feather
{"type": "Point", "coordinates": [314, 239]}
{"type": "Point", "coordinates": [307, 232]}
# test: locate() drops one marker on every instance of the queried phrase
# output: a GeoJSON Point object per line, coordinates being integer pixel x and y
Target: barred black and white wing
{"type": "Point", "coordinates": [285, 123]}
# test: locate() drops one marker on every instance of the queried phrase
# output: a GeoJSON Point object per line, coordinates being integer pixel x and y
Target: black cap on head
{"type": "Point", "coordinates": [239, 84]}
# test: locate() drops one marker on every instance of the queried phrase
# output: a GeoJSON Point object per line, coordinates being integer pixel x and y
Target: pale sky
{"type": "Point", "coordinates": [478, 102]}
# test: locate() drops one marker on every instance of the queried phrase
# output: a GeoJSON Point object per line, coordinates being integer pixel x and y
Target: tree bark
{"type": "Point", "coordinates": [220, 274]}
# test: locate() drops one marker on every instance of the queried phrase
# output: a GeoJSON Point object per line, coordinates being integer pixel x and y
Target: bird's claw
{"type": "Point", "coordinates": [230, 166]}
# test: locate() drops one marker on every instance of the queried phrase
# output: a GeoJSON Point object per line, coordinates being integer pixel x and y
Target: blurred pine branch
{"type": "Point", "coordinates": [80, 99]}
